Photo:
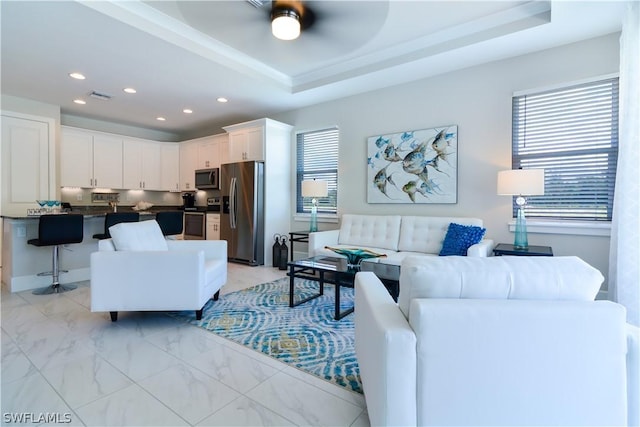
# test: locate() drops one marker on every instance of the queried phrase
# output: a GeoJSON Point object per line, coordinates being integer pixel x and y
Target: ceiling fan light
{"type": "Point", "coordinates": [285, 24]}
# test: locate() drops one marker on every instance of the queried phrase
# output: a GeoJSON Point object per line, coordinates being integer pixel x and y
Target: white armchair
{"type": "Point", "coordinates": [184, 276]}
{"type": "Point", "coordinates": [495, 341]}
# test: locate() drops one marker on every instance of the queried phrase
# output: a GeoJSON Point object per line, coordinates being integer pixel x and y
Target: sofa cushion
{"type": "Point", "coordinates": [138, 236]}
{"type": "Point", "coordinates": [459, 238]}
{"type": "Point", "coordinates": [426, 234]}
{"type": "Point", "coordinates": [370, 231]}
{"type": "Point", "coordinates": [550, 278]}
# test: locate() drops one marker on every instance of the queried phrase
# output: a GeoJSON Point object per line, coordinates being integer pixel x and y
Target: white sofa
{"type": "Point", "coordinates": [495, 341]}
{"type": "Point", "coordinates": [181, 275]}
{"type": "Point", "coordinates": [393, 235]}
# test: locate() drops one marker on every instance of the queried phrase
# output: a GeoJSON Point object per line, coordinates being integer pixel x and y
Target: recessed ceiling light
{"type": "Point", "coordinates": [77, 76]}
{"type": "Point", "coordinates": [187, 111]}
{"type": "Point", "coordinates": [161, 119]}
{"type": "Point", "coordinates": [80, 101]}
{"type": "Point", "coordinates": [222, 99]}
{"type": "Point", "coordinates": [129, 90]}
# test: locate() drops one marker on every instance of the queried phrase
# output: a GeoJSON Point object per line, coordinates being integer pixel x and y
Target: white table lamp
{"type": "Point", "coordinates": [314, 188]}
{"type": "Point", "coordinates": [520, 183]}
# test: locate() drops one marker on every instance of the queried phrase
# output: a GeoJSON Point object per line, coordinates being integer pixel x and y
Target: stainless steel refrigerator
{"type": "Point", "coordinates": [242, 220]}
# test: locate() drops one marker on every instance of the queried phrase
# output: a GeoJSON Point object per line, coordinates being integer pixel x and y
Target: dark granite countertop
{"type": "Point", "coordinates": [100, 211]}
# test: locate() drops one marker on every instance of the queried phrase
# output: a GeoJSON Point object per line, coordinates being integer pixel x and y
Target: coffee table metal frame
{"type": "Point", "coordinates": [323, 269]}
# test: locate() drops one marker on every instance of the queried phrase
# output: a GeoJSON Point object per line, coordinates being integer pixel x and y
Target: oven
{"type": "Point", "coordinates": [194, 225]}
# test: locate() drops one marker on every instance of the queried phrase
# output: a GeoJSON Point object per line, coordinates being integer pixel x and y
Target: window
{"type": "Point", "coordinates": [317, 157]}
{"type": "Point", "coordinates": [571, 133]}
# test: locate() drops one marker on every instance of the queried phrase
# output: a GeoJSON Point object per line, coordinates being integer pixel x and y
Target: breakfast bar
{"type": "Point", "coordinates": [21, 262]}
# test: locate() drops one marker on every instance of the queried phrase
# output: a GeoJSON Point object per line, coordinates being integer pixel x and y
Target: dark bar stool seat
{"type": "Point", "coordinates": [113, 218]}
{"type": "Point", "coordinates": [170, 222]}
{"type": "Point", "coordinates": [56, 230]}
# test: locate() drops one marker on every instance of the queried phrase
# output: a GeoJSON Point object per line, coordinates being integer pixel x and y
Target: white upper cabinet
{"type": "Point", "coordinates": [90, 159]}
{"type": "Point", "coordinates": [188, 165]}
{"type": "Point", "coordinates": [142, 165]}
{"type": "Point", "coordinates": [246, 143]}
{"type": "Point", "coordinates": [170, 166]}
{"type": "Point", "coordinates": [208, 154]}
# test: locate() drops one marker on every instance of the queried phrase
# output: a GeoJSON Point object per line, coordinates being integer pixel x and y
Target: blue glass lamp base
{"type": "Point", "coordinates": [313, 225]}
{"type": "Point", "coordinates": [521, 241]}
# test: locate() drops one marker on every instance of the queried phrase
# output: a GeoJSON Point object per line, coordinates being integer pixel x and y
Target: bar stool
{"type": "Point", "coordinates": [113, 218]}
{"type": "Point", "coordinates": [170, 222]}
{"type": "Point", "coordinates": [56, 230]}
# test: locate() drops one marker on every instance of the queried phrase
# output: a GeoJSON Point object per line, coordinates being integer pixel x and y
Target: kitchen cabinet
{"type": "Point", "coordinates": [90, 159]}
{"type": "Point", "coordinates": [142, 165]}
{"type": "Point", "coordinates": [170, 166]}
{"type": "Point", "coordinates": [28, 162]}
{"type": "Point", "coordinates": [246, 144]}
{"type": "Point", "coordinates": [224, 150]}
{"type": "Point", "coordinates": [188, 165]}
{"type": "Point", "coordinates": [213, 227]}
{"type": "Point", "coordinates": [208, 154]}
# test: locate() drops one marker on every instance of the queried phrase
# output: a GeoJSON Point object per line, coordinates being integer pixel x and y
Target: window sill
{"type": "Point", "coordinates": [328, 218]}
{"type": "Point", "coordinates": [580, 228]}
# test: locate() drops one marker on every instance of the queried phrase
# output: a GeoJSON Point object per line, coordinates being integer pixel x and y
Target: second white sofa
{"type": "Point", "coordinates": [393, 235]}
{"type": "Point", "coordinates": [500, 341]}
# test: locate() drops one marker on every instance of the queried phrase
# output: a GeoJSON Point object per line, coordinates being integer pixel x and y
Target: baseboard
{"type": "Point", "coordinates": [25, 283]}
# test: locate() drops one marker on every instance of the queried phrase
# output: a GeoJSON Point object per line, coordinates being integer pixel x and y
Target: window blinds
{"type": "Point", "coordinates": [317, 157]}
{"type": "Point", "coordinates": [572, 133]}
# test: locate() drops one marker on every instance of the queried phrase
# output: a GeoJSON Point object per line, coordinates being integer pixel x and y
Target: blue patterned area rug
{"type": "Point", "coordinates": [306, 337]}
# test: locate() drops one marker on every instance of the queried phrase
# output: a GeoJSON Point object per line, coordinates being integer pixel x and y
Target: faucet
{"type": "Point", "coordinates": [114, 205]}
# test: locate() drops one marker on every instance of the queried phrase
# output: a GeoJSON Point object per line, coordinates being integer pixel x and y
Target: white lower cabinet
{"type": "Point", "coordinates": [213, 227]}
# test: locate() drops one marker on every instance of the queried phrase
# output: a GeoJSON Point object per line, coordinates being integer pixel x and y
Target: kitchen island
{"type": "Point", "coordinates": [21, 262]}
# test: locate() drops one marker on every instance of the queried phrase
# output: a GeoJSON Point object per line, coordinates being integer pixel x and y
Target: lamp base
{"type": "Point", "coordinates": [313, 224]}
{"type": "Point", "coordinates": [521, 241]}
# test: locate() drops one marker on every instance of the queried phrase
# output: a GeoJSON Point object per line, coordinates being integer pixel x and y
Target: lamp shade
{"type": "Point", "coordinates": [315, 188]}
{"type": "Point", "coordinates": [521, 182]}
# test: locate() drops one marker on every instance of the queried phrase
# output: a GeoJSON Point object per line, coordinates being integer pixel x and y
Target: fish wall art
{"type": "Point", "coordinates": [418, 166]}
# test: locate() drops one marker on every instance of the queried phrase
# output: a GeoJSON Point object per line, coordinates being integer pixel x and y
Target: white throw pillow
{"type": "Point", "coordinates": [506, 277]}
{"type": "Point", "coordinates": [138, 236]}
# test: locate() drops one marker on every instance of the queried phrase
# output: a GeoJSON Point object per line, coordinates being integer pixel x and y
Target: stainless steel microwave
{"type": "Point", "coordinates": [208, 179]}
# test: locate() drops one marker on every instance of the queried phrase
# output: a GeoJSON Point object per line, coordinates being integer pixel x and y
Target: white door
{"type": "Point", "coordinates": [25, 163]}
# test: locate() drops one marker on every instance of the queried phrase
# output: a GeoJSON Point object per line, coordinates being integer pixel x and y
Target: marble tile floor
{"type": "Point", "coordinates": [63, 365]}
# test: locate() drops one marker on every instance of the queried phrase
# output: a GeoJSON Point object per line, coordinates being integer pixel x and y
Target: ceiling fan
{"type": "Point", "coordinates": [288, 17]}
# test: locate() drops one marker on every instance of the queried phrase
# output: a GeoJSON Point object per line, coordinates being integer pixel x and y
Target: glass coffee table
{"type": "Point", "coordinates": [324, 269]}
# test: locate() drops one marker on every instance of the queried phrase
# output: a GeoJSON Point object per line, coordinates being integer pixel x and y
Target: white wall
{"type": "Point", "coordinates": [478, 100]}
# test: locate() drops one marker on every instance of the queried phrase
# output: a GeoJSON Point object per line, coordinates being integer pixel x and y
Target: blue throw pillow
{"type": "Point", "coordinates": [460, 237]}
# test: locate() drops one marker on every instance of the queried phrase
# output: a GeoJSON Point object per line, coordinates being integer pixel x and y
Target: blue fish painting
{"type": "Point", "coordinates": [417, 166]}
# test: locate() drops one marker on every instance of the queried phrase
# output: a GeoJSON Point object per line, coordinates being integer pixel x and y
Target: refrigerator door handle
{"type": "Point", "coordinates": [232, 203]}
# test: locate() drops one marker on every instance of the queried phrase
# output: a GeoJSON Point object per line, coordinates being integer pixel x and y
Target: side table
{"type": "Point", "coordinates": [297, 236]}
{"type": "Point", "coordinates": [507, 249]}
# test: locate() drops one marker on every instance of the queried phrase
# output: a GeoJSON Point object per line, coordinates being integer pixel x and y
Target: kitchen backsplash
{"type": "Point", "coordinates": [82, 197]}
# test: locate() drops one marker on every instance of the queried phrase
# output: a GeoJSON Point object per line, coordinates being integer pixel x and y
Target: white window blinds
{"type": "Point", "coordinates": [317, 158]}
{"type": "Point", "coordinates": [571, 133]}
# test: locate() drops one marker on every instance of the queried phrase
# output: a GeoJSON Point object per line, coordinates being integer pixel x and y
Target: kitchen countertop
{"type": "Point", "coordinates": [99, 211]}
